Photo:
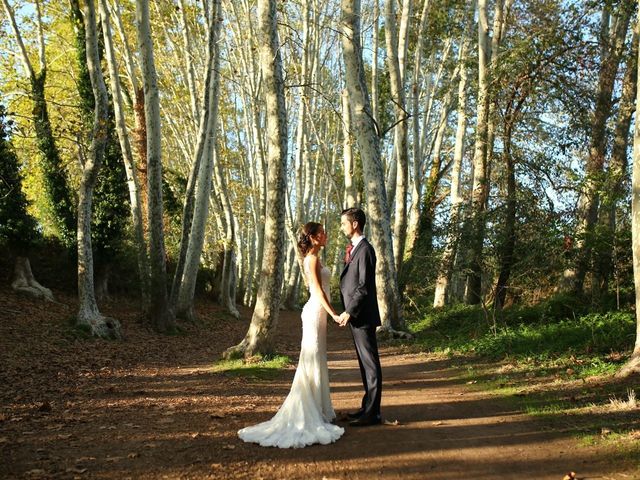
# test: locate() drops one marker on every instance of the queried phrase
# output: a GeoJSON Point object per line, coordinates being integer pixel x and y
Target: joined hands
{"type": "Point", "coordinates": [341, 319]}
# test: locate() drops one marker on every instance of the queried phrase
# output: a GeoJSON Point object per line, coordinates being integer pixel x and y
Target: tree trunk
{"type": "Point", "coordinates": [25, 283]}
{"type": "Point", "coordinates": [617, 172]}
{"type": "Point", "coordinates": [88, 314]}
{"type": "Point", "coordinates": [480, 193]}
{"type": "Point", "coordinates": [612, 46]}
{"type": "Point", "coordinates": [229, 276]}
{"type": "Point", "coordinates": [350, 193]}
{"type": "Point", "coordinates": [160, 314]}
{"type": "Point", "coordinates": [374, 60]}
{"type": "Point", "coordinates": [401, 131]}
{"type": "Point", "coordinates": [369, 144]}
{"type": "Point", "coordinates": [423, 244]}
{"type": "Point", "coordinates": [416, 178]}
{"type": "Point", "coordinates": [202, 188]}
{"type": "Point", "coordinates": [445, 270]}
{"type": "Point", "coordinates": [633, 365]}
{"type": "Point", "coordinates": [509, 232]}
{"type": "Point", "coordinates": [258, 339]}
{"type": "Point", "coordinates": [127, 155]}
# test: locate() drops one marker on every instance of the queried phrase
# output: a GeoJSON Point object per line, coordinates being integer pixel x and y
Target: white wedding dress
{"type": "Point", "coordinates": [305, 415]}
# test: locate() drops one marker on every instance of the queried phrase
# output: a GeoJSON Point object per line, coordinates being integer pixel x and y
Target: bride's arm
{"type": "Point", "coordinates": [315, 285]}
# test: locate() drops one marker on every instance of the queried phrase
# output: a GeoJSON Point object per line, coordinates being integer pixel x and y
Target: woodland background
{"type": "Point", "coordinates": [169, 149]}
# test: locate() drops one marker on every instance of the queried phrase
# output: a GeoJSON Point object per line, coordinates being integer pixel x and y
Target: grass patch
{"type": "Point", "coordinates": [264, 368]}
{"type": "Point", "coordinates": [584, 345]}
{"type": "Point", "coordinates": [554, 360]}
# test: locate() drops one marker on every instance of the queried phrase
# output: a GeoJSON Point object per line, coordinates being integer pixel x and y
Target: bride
{"type": "Point", "coordinates": [305, 415]}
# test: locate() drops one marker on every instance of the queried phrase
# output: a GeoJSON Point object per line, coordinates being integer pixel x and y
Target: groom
{"type": "Point", "coordinates": [358, 295]}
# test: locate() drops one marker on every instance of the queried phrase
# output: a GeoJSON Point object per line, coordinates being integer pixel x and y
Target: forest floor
{"type": "Point", "coordinates": [151, 406]}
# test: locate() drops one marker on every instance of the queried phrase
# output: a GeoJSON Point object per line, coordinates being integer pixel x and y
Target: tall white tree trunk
{"type": "Point", "coordinates": [403, 36]}
{"type": "Point", "coordinates": [160, 314]}
{"type": "Point", "coordinates": [188, 52]}
{"type": "Point", "coordinates": [369, 144]}
{"type": "Point", "coordinates": [480, 189]}
{"type": "Point", "coordinates": [633, 364]}
{"type": "Point", "coordinates": [258, 339]}
{"type": "Point", "coordinates": [374, 60]}
{"type": "Point", "coordinates": [350, 198]}
{"type": "Point", "coordinates": [88, 313]}
{"type": "Point", "coordinates": [445, 269]}
{"type": "Point", "coordinates": [229, 270]}
{"type": "Point", "coordinates": [202, 190]}
{"type": "Point", "coordinates": [127, 154]}
{"type": "Point", "coordinates": [401, 131]}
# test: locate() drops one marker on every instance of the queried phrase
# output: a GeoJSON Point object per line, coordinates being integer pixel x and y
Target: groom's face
{"type": "Point", "coordinates": [347, 227]}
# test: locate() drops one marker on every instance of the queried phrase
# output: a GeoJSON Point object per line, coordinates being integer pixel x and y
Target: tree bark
{"type": "Point", "coordinates": [633, 364]}
{"type": "Point", "coordinates": [127, 154]}
{"type": "Point", "coordinates": [229, 275]}
{"type": "Point", "coordinates": [401, 131]}
{"type": "Point", "coordinates": [350, 193]}
{"type": "Point", "coordinates": [588, 204]}
{"type": "Point", "coordinates": [202, 179]}
{"type": "Point", "coordinates": [369, 144]}
{"type": "Point", "coordinates": [25, 283]}
{"type": "Point", "coordinates": [480, 192]}
{"type": "Point", "coordinates": [617, 172]}
{"type": "Point", "coordinates": [160, 314]}
{"type": "Point", "coordinates": [445, 270]}
{"type": "Point", "coordinates": [88, 314]}
{"type": "Point", "coordinates": [258, 339]}
{"type": "Point", "coordinates": [509, 232]}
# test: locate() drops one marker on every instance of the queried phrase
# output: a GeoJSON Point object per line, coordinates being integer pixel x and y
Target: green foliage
{"type": "Point", "coordinates": [259, 368]}
{"type": "Point", "coordinates": [56, 185]}
{"type": "Point", "coordinates": [557, 328]}
{"type": "Point", "coordinates": [17, 228]}
{"type": "Point", "coordinates": [111, 206]}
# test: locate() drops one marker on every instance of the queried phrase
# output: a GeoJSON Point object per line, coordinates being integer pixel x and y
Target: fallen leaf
{"type": "Point", "coordinates": [76, 470]}
{"type": "Point", "coordinates": [394, 423]}
{"type": "Point", "coordinates": [36, 471]}
{"type": "Point", "coordinates": [570, 476]}
{"type": "Point", "coordinates": [85, 459]}
{"type": "Point", "coordinates": [133, 455]}
{"type": "Point", "coordinates": [228, 447]}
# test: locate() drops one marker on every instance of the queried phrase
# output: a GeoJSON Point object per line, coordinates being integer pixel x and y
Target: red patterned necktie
{"type": "Point", "coordinates": [347, 255]}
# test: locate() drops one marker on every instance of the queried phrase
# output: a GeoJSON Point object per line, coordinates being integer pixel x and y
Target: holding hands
{"type": "Point", "coordinates": [342, 319]}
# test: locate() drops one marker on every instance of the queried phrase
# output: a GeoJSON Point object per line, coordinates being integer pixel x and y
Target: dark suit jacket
{"type": "Point", "coordinates": [358, 286]}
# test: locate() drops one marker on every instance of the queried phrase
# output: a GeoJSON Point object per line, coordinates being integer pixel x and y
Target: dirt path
{"type": "Point", "coordinates": [151, 408]}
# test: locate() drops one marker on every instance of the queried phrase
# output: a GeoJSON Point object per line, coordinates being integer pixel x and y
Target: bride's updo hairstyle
{"type": "Point", "coordinates": [309, 230]}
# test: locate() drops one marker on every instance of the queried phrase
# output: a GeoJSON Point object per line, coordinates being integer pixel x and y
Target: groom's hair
{"type": "Point", "coordinates": [355, 215]}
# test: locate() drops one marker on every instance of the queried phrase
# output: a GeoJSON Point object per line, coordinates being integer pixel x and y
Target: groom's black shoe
{"type": "Point", "coordinates": [365, 422]}
{"type": "Point", "coordinates": [355, 415]}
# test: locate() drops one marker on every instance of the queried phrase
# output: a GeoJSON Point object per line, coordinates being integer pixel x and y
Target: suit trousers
{"type": "Point", "coordinates": [366, 345]}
